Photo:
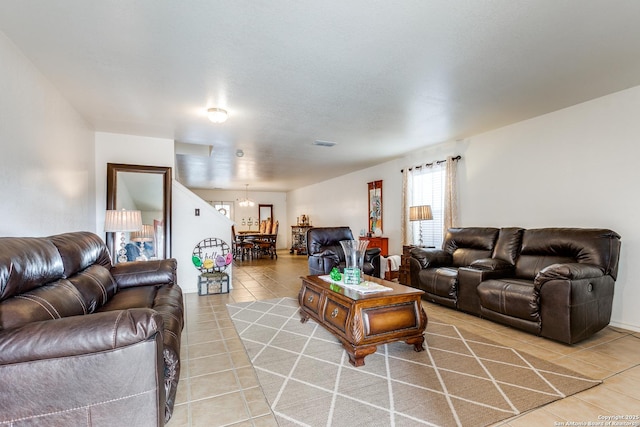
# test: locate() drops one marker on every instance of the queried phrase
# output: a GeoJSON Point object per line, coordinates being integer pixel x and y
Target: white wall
{"type": "Point", "coordinates": [344, 201]}
{"type": "Point", "coordinates": [46, 154]}
{"type": "Point", "coordinates": [127, 149]}
{"type": "Point", "coordinates": [189, 230]}
{"type": "Point", "coordinates": [574, 168]}
{"type": "Point", "coordinates": [277, 199]}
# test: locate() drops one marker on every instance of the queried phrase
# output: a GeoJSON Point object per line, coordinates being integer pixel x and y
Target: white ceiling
{"type": "Point", "coordinates": [380, 78]}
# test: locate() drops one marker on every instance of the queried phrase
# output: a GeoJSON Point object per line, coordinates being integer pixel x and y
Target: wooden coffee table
{"type": "Point", "coordinates": [363, 321]}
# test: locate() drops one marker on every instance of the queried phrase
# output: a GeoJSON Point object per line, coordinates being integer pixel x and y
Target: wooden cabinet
{"type": "Point", "coordinates": [299, 239]}
{"type": "Point", "coordinates": [378, 242]}
{"type": "Point", "coordinates": [364, 321]}
{"type": "Point", "coordinates": [404, 272]}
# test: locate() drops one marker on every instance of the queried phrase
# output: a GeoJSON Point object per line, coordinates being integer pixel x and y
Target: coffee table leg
{"type": "Point", "coordinates": [303, 317]}
{"type": "Point", "coordinates": [357, 355]}
{"type": "Point", "coordinates": [418, 342]}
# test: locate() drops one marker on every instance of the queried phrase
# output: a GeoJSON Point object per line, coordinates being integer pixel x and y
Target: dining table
{"type": "Point", "coordinates": [255, 236]}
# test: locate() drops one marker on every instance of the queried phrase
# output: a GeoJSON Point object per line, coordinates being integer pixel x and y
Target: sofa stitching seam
{"type": "Point", "coordinates": [39, 301]}
{"type": "Point", "coordinates": [115, 328]}
{"type": "Point", "coordinates": [79, 407]}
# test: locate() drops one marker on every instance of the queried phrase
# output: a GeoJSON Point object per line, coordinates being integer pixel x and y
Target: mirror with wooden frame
{"type": "Point", "coordinates": [265, 212]}
{"type": "Point", "coordinates": [147, 189]}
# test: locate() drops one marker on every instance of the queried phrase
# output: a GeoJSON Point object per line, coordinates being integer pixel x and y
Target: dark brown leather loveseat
{"type": "Point", "coordinates": [325, 251]}
{"type": "Point", "coordinates": [83, 342]}
{"type": "Point", "coordinates": [554, 282]}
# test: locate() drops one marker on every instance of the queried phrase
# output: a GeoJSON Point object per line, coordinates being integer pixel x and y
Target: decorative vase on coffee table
{"type": "Point", "coordinates": [354, 251]}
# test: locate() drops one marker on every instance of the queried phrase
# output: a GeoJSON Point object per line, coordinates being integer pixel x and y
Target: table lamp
{"type": "Point", "coordinates": [420, 213]}
{"type": "Point", "coordinates": [122, 221]}
{"type": "Point", "coordinates": [144, 235]}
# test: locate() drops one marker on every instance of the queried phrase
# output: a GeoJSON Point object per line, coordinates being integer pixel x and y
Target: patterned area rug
{"type": "Point", "coordinates": [461, 379]}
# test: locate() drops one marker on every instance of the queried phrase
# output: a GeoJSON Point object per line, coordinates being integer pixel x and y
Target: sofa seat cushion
{"type": "Point", "coordinates": [442, 281]}
{"type": "Point", "coordinates": [165, 300]}
{"type": "Point", "coordinates": [141, 297]}
{"type": "Point", "coordinates": [511, 297]}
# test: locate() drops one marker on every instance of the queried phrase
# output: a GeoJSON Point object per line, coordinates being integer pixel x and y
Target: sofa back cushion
{"type": "Point", "coordinates": [469, 244]}
{"type": "Point", "coordinates": [320, 239]}
{"type": "Point", "coordinates": [546, 246]}
{"type": "Point", "coordinates": [509, 244]}
{"type": "Point", "coordinates": [79, 250]}
{"type": "Point", "coordinates": [52, 301]}
{"type": "Point", "coordinates": [27, 263]}
{"type": "Point", "coordinates": [95, 286]}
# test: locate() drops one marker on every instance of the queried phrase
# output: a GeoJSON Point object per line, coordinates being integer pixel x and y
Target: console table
{"type": "Point", "coordinates": [299, 239]}
{"type": "Point", "coordinates": [378, 242]}
{"type": "Point", "coordinates": [404, 272]}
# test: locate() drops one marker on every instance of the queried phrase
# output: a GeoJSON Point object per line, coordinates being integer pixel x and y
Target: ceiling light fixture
{"type": "Point", "coordinates": [323, 143]}
{"type": "Point", "coordinates": [217, 115]}
{"type": "Point", "coordinates": [239, 153]}
{"type": "Point", "coordinates": [246, 202]}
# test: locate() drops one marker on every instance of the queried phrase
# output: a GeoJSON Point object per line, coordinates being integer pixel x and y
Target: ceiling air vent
{"type": "Point", "coordinates": [324, 143]}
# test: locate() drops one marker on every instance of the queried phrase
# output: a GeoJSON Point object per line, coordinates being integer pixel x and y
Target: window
{"type": "Point", "coordinates": [428, 188]}
{"type": "Point", "coordinates": [223, 207]}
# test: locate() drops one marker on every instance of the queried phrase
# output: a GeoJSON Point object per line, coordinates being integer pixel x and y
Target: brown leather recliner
{"type": "Point", "coordinates": [435, 271]}
{"type": "Point", "coordinates": [562, 286]}
{"type": "Point", "coordinates": [82, 341]}
{"type": "Point", "coordinates": [554, 282]}
{"type": "Point", "coordinates": [325, 252]}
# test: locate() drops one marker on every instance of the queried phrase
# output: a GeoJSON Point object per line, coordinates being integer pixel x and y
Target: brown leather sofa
{"type": "Point", "coordinates": [83, 342]}
{"type": "Point", "coordinates": [554, 282]}
{"type": "Point", "coordinates": [325, 252]}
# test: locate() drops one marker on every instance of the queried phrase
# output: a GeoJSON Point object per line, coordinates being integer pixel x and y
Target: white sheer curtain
{"type": "Point", "coordinates": [405, 225]}
{"type": "Point", "coordinates": [451, 194]}
{"type": "Point", "coordinates": [434, 184]}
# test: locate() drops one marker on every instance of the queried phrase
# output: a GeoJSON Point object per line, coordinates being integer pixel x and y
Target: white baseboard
{"type": "Point", "coordinates": [621, 325]}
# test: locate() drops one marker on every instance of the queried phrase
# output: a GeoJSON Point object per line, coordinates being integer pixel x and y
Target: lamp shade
{"type": "Point", "coordinates": [420, 213]}
{"type": "Point", "coordinates": [122, 220]}
{"type": "Point", "coordinates": [144, 235]}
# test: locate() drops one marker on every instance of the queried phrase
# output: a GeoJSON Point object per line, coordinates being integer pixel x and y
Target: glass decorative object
{"type": "Point", "coordinates": [354, 251]}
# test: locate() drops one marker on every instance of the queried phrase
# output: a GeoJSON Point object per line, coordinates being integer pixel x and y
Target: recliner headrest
{"type": "Point", "coordinates": [27, 263]}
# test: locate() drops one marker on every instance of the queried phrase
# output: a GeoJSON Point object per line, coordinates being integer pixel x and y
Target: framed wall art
{"type": "Point", "coordinates": [375, 207]}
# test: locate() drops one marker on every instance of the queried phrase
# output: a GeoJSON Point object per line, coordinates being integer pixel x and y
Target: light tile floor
{"type": "Point", "coordinates": [219, 388]}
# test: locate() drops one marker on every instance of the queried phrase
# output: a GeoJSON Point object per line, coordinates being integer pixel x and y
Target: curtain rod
{"type": "Point", "coordinates": [437, 162]}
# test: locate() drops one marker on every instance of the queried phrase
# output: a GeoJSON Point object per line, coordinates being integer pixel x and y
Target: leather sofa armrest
{"type": "Point", "coordinates": [430, 258]}
{"type": "Point", "coordinates": [103, 367]}
{"type": "Point", "coordinates": [145, 273]}
{"type": "Point", "coordinates": [569, 271]}
{"type": "Point", "coordinates": [372, 256]}
{"type": "Point", "coordinates": [492, 264]}
{"type": "Point", "coordinates": [78, 335]}
{"type": "Point", "coordinates": [323, 262]}
{"type": "Point", "coordinates": [328, 253]}
{"type": "Point", "coordinates": [468, 280]}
